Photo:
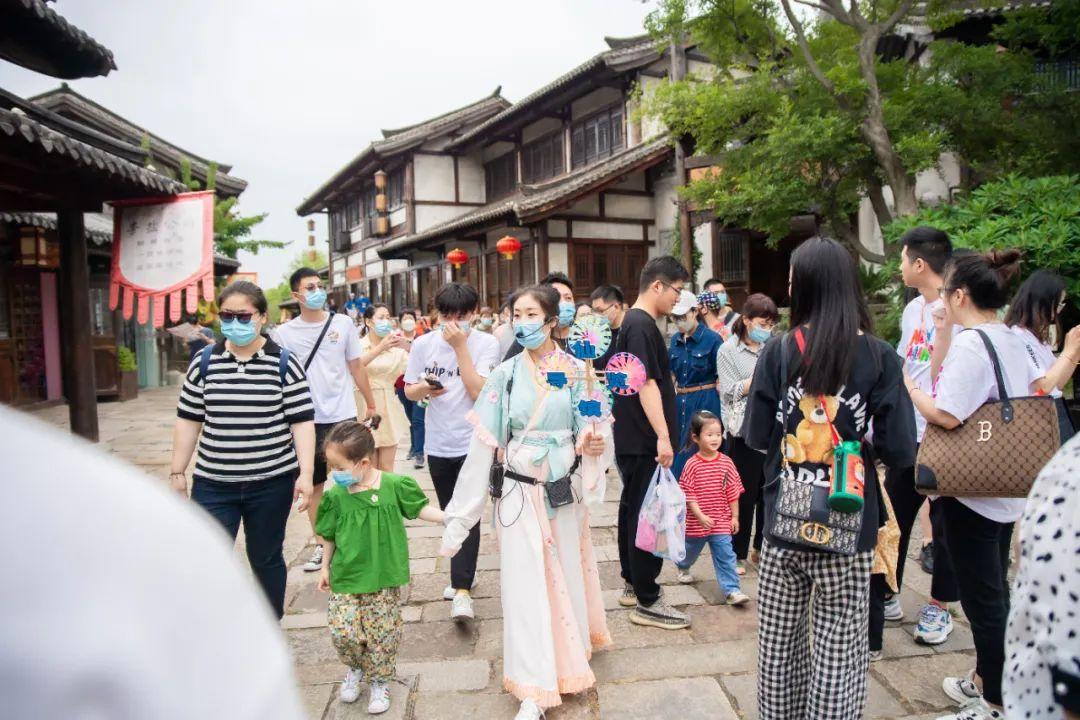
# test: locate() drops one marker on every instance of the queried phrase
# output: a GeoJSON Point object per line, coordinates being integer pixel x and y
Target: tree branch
{"type": "Point", "coordinates": [817, 6]}
{"type": "Point", "coordinates": [804, 46]}
{"type": "Point", "coordinates": [901, 10]}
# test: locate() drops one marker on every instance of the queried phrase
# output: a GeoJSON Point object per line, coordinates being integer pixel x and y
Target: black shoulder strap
{"type": "Point", "coordinates": [204, 362]}
{"type": "Point", "coordinates": [283, 365]}
{"type": "Point", "coordinates": [1003, 394]}
{"type": "Point", "coordinates": [318, 342]}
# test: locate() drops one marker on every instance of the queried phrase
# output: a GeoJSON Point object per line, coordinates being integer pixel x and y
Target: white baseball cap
{"type": "Point", "coordinates": [687, 302]}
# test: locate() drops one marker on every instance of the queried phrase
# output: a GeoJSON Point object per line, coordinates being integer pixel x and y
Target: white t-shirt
{"type": "Point", "coordinates": [916, 346]}
{"type": "Point", "coordinates": [134, 604]}
{"type": "Point", "coordinates": [966, 381]}
{"type": "Point", "coordinates": [446, 431]}
{"type": "Point", "coordinates": [1039, 355]}
{"type": "Point", "coordinates": [328, 375]}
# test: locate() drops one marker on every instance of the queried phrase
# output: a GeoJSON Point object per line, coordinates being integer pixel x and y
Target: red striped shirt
{"type": "Point", "coordinates": [713, 485]}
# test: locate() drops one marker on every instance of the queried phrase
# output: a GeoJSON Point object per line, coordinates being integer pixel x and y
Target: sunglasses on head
{"type": "Point", "coordinates": [244, 317]}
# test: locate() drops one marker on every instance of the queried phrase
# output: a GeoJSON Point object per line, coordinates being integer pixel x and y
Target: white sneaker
{"type": "Point", "coordinates": [875, 655]}
{"type": "Point", "coordinates": [976, 709]}
{"type": "Point", "coordinates": [529, 711]}
{"type": "Point", "coordinates": [315, 563]}
{"type": "Point", "coordinates": [350, 687]}
{"type": "Point", "coordinates": [934, 626]}
{"type": "Point", "coordinates": [738, 598]}
{"type": "Point", "coordinates": [379, 701]}
{"type": "Point", "coordinates": [449, 592]}
{"type": "Point", "coordinates": [962, 690]}
{"type": "Point", "coordinates": [462, 609]}
{"type": "Point", "coordinates": [685, 577]}
{"type": "Point", "coordinates": [893, 611]}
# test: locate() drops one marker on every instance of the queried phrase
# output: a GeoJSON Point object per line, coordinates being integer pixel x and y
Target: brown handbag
{"type": "Point", "coordinates": [997, 452]}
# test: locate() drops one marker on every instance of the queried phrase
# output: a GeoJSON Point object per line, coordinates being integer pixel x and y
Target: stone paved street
{"type": "Point", "coordinates": [449, 671]}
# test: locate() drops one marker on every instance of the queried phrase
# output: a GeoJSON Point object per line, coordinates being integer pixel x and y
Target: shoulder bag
{"type": "Point", "coordinates": [997, 452]}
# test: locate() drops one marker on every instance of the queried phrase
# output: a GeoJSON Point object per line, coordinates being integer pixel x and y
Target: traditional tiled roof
{"type": "Point", "coordinates": [65, 101]}
{"type": "Point", "coordinates": [98, 228]}
{"type": "Point", "coordinates": [632, 54]}
{"type": "Point", "coordinates": [18, 126]}
{"type": "Point", "coordinates": [401, 140]}
{"type": "Point", "coordinates": [532, 202]}
{"type": "Point", "coordinates": [40, 39]}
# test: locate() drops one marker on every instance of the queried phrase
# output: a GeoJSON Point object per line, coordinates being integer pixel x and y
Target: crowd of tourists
{"type": "Point", "coordinates": [776, 426]}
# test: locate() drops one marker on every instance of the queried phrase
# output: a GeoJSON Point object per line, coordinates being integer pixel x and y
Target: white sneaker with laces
{"type": "Point", "coordinates": [529, 710]}
{"type": "Point", "coordinates": [685, 577]}
{"type": "Point", "coordinates": [379, 699]}
{"type": "Point", "coordinates": [315, 563]}
{"type": "Point", "coordinates": [976, 709]}
{"type": "Point", "coordinates": [893, 611]}
{"type": "Point", "coordinates": [350, 687]}
{"type": "Point", "coordinates": [737, 598]}
{"type": "Point", "coordinates": [962, 690]}
{"type": "Point", "coordinates": [934, 626]}
{"type": "Point", "coordinates": [462, 609]}
{"type": "Point", "coordinates": [449, 592]}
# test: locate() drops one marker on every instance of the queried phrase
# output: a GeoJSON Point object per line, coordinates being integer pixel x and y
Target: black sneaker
{"type": "Point", "coordinates": [926, 558]}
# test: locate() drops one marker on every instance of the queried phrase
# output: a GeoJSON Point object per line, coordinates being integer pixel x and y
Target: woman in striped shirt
{"type": "Point", "coordinates": [245, 403]}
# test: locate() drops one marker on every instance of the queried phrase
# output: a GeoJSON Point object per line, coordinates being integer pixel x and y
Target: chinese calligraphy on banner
{"type": "Point", "coordinates": [162, 247]}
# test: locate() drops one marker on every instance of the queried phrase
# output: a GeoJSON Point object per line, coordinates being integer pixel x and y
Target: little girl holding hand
{"type": "Point", "coordinates": [367, 558]}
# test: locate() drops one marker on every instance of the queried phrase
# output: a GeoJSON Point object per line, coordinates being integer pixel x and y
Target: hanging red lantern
{"type": "Point", "coordinates": [508, 246]}
{"type": "Point", "coordinates": [457, 257]}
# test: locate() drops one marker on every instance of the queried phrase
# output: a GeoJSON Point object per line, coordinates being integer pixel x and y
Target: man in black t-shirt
{"type": "Point", "coordinates": [644, 426]}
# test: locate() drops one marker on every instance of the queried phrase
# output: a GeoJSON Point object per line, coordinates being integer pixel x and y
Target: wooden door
{"type": "Point", "coordinates": [596, 264]}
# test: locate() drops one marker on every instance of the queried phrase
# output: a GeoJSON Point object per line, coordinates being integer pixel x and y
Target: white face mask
{"type": "Point", "coordinates": [408, 325]}
{"type": "Point", "coordinates": [686, 324]}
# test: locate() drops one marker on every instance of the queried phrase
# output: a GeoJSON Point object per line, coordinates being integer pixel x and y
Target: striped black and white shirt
{"type": "Point", "coordinates": [246, 412]}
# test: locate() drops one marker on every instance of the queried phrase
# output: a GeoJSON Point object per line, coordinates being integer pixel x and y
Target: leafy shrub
{"type": "Point", "coordinates": [126, 358]}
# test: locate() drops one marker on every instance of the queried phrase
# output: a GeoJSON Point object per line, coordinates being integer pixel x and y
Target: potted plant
{"type": "Point", "coordinates": [129, 375]}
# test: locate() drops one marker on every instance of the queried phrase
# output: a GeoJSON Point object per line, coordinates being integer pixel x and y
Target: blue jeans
{"type": "Point", "coordinates": [264, 506]}
{"type": "Point", "coordinates": [415, 413]}
{"type": "Point", "coordinates": [723, 559]}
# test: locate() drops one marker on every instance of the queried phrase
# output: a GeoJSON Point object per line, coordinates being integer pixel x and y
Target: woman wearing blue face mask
{"type": "Point", "coordinates": [565, 311]}
{"type": "Point", "coordinates": [385, 357]}
{"type": "Point", "coordinates": [245, 404]}
{"type": "Point", "coordinates": [553, 608]}
{"type": "Point", "coordinates": [735, 365]}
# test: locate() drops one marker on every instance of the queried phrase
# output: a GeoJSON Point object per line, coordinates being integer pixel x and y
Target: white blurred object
{"type": "Point", "coordinates": [133, 604]}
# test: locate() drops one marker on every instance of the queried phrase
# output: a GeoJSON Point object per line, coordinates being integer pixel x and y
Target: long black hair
{"type": "Point", "coordinates": [1035, 306]}
{"type": "Point", "coordinates": [827, 296]}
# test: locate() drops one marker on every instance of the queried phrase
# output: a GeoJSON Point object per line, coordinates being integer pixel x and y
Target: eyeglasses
{"type": "Point", "coordinates": [604, 311]}
{"type": "Point", "coordinates": [678, 290]}
{"type": "Point", "coordinates": [243, 317]}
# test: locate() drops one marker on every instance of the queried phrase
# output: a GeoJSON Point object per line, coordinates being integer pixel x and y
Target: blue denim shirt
{"type": "Point", "coordinates": [693, 363]}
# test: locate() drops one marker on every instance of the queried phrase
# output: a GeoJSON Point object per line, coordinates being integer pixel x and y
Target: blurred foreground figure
{"type": "Point", "coordinates": [132, 605]}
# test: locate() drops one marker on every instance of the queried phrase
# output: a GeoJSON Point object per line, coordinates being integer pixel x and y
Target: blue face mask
{"type": "Point", "coordinates": [759, 335]}
{"type": "Point", "coordinates": [239, 333]}
{"type": "Point", "coordinates": [567, 311]}
{"type": "Point", "coordinates": [315, 299]}
{"type": "Point", "coordinates": [464, 325]}
{"type": "Point", "coordinates": [722, 297]}
{"type": "Point", "coordinates": [530, 335]}
{"type": "Point", "coordinates": [486, 322]}
{"type": "Point", "coordinates": [383, 327]}
{"type": "Point", "coordinates": [343, 478]}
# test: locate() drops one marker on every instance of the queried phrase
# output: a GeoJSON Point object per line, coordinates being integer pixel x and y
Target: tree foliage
{"type": "Point", "coordinates": [806, 116]}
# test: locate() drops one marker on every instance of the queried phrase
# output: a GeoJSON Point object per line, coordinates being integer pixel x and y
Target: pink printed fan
{"type": "Point", "coordinates": [624, 374]}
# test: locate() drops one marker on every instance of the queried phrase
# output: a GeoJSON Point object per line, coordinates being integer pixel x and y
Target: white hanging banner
{"type": "Point", "coordinates": [161, 247]}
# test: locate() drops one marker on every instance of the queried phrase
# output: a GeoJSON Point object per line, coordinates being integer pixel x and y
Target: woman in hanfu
{"type": "Point", "coordinates": [553, 612]}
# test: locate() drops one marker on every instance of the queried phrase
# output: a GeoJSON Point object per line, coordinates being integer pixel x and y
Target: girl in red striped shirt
{"type": "Point", "coordinates": [712, 486]}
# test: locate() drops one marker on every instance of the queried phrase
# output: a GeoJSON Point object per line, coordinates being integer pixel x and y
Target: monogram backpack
{"type": "Point", "coordinates": [997, 452]}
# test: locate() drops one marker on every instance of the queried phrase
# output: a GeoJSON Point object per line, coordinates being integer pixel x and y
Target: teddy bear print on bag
{"type": "Point", "coordinates": [813, 441]}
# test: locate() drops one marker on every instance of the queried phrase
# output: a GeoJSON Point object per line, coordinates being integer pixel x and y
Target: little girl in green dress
{"type": "Point", "coordinates": [367, 558]}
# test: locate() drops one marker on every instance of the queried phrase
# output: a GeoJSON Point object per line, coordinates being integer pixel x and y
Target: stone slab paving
{"type": "Point", "coordinates": [451, 671]}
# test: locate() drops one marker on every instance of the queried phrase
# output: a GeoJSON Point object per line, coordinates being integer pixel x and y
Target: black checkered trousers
{"type": "Point", "coordinates": [812, 642]}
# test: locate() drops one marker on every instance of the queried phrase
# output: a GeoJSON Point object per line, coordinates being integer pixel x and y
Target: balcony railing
{"type": "Point", "coordinates": [1058, 74]}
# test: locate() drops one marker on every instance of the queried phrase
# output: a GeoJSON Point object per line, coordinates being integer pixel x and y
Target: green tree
{"type": "Point", "coordinates": [809, 117]}
{"type": "Point", "coordinates": [233, 232]}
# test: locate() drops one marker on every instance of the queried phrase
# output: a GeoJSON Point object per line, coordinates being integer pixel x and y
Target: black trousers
{"type": "Point", "coordinates": [639, 568]}
{"type": "Point", "coordinates": [750, 463]}
{"type": "Point", "coordinates": [906, 502]}
{"type": "Point", "coordinates": [444, 475]}
{"type": "Point", "coordinates": [980, 551]}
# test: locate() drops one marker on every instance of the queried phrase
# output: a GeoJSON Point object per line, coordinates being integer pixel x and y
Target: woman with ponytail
{"type": "Point", "coordinates": [978, 531]}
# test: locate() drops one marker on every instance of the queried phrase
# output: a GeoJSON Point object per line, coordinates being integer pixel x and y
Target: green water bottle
{"type": "Point", "coordinates": [847, 494]}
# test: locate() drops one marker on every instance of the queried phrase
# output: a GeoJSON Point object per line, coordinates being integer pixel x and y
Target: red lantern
{"type": "Point", "coordinates": [457, 257]}
{"type": "Point", "coordinates": [508, 246]}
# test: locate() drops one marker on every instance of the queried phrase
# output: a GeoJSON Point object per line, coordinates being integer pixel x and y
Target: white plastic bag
{"type": "Point", "coordinates": [661, 526]}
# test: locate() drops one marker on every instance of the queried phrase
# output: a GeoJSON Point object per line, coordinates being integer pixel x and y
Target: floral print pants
{"type": "Point", "coordinates": [366, 631]}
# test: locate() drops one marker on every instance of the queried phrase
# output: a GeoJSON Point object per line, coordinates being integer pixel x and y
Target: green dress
{"type": "Point", "coordinates": [372, 550]}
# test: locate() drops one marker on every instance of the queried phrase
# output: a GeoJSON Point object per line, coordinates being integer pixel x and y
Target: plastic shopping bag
{"type": "Point", "coordinates": [662, 521]}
